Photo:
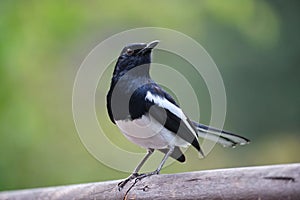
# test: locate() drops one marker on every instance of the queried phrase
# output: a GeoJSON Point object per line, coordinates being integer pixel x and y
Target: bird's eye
{"type": "Point", "coordinates": [129, 52]}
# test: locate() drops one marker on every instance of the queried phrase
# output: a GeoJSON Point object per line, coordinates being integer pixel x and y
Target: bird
{"type": "Point", "coordinates": [150, 117]}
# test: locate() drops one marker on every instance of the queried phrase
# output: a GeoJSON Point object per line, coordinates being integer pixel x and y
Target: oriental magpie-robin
{"type": "Point", "coordinates": [149, 117]}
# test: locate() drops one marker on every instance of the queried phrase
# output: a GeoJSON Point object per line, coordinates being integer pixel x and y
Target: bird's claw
{"type": "Point", "coordinates": [137, 177]}
{"type": "Point", "coordinates": [141, 176]}
{"type": "Point", "coordinates": [123, 183]}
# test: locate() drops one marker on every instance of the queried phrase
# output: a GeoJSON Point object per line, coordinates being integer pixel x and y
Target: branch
{"type": "Point", "coordinates": [265, 182]}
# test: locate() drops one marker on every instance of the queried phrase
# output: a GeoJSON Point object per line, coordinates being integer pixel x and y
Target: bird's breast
{"type": "Point", "coordinates": [149, 133]}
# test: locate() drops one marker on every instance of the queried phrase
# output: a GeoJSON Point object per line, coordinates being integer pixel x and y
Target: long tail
{"type": "Point", "coordinates": [222, 137]}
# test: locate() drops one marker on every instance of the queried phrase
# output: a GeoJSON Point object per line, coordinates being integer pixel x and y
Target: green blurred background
{"type": "Point", "coordinates": [255, 44]}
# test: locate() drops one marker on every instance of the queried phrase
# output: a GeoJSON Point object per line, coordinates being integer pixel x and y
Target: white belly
{"type": "Point", "coordinates": [149, 133]}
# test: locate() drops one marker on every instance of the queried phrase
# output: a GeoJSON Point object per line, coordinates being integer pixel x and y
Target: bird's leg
{"type": "Point", "coordinates": [136, 170]}
{"type": "Point", "coordinates": [171, 149]}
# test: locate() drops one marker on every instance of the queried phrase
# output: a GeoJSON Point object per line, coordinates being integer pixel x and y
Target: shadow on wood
{"type": "Point", "coordinates": [265, 182]}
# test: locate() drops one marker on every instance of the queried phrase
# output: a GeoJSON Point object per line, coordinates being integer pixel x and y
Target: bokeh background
{"type": "Point", "coordinates": [255, 44]}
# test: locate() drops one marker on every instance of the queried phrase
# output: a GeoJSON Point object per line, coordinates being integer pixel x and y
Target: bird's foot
{"type": "Point", "coordinates": [137, 178]}
{"type": "Point", "coordinates": [141, 176]}
{"type": "Point", "coordinates": [123, 183]}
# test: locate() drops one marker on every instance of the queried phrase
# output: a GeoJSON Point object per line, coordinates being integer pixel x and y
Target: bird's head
{"type": "Point", "coordinates": [134, 55]}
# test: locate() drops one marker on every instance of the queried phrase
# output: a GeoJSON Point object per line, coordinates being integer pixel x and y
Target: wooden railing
{"type": "Point", "coordinates": [264, 182]}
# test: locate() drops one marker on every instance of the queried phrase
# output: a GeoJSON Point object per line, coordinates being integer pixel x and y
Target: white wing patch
{"type": "Point", "coordinates": [165, 103]}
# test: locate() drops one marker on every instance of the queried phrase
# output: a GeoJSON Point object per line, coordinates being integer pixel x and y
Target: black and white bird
{"type": "Point", "coordinates": [149, 117]}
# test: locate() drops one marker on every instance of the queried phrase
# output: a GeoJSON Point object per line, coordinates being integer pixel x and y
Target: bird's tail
{"type": "Point", "coordinates": [222, 137]}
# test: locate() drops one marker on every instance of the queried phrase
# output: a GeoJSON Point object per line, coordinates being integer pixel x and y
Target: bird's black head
{"type": "Point", "coordinates": [134, 55]}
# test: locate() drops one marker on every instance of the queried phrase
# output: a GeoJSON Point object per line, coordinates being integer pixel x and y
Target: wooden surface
{"type": "Point", "coordinates": [265, 182]}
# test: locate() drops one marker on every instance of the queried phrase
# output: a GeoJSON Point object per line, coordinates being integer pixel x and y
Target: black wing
{"type": "Point", "coordinates": [162, 107]}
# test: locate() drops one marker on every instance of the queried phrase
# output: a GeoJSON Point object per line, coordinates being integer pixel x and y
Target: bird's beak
{"type": "Point", "coordinates": [149, 47]}
{"type": "Point", "coordinates": [152, 44]}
